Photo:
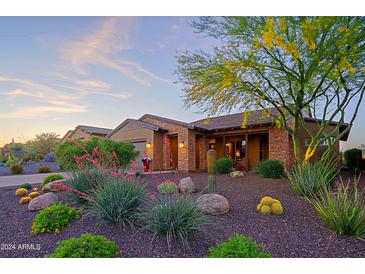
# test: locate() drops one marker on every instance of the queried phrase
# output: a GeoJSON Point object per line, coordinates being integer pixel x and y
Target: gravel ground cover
{"type": "Point", "coordinates": [31, 167]}
{"type": "Point", "coordinates": [298, 233]}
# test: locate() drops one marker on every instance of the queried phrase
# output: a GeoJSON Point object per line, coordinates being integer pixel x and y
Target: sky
{"type": "Point", "coordinates": [58, 72]}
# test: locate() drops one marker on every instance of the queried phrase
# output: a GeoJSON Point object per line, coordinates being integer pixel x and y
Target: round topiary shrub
{"type": "Point", "coordinates": [353, 158]}
{"type": "Point", "coordinates": [26, 186]}
{"type": "Point", "coordinates": [167, 186]}
{"type": "Point", "coordinates": [273, 169]}
{"type": "Point", "coordinates": [44, 169]}
{"type": "Point", "coordinates": [54, 218]}
{"type": "Point", "coordinates": [238, 246]}
{"type": "Point", "coordinates": [16, 169]}
{"type": "Point", "coordinates": [51, 178]}
{"type": "Point", "coordinates": [86, 246]}
{"type": "Point", "coordinates": [224, 165]}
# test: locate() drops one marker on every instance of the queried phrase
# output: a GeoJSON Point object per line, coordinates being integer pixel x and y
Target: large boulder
{"type": "Point", "coordinates": [213, 204]}
{"type": "Point", "coordinates": [186, 185]}
{"type": "Point", "coordinates": [43, 201]}
{"type": "Point", "coordinates": [52, 186]}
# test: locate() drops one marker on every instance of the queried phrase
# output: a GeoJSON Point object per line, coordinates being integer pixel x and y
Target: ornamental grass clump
{"type": "Point", "coordinates": [309, 179]}
{"type": "Point", "coordinates": [117, 200]}
{"type": "Point", "coordinates": [85, 181]}
{"type": "Point", "coordinates": [54, 218]}
{"type": "Point", "coordinates": [343, 210]}
{"type": "Point", "coordinates": [174, 217]}
{"type": "Point", "coordinates": [238, 246]}
{"type": "Point", "coordinates": [86, 246]}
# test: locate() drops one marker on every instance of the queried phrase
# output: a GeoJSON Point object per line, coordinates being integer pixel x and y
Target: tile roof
{"type": "Point", "coordinates": [137, 122]}
{"type": "Point", "coordinates": [95, 130]}
{"type": "Point", "coordinates": [167, 120]}
{"type": "Point", "coordinates": [254, 118]}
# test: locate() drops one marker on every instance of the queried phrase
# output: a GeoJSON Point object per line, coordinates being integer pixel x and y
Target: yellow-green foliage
{"type": "Point", "coordinates": [277, 209]}
{"type": "Point", "coordinates": [266, 201]}
{"type": "Point", "coordinates": [265, 210]}
{"type": "Point", "coordinates": [24, 200]}
{"type": "Point", "coordinates": [21, 192]}
{"type": "Point", "coordinates": [269, 205]}
{"type": "Point", "coordinates": [34, 194]}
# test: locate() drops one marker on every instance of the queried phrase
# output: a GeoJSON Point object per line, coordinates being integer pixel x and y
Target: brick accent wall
{"type": "Point", "coordinates": [186, 155]}
{"type": "Point", "coordinates": [279, 148]}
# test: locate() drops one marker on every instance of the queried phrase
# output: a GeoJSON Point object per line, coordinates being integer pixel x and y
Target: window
{"type": "Point", "coordinates": [322, 142]}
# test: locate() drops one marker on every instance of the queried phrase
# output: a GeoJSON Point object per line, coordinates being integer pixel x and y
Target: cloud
{"type": "Point", "coordinates": [42, 111]}
{"type": "Point", "coordinates": [101, 47]}
{"type": "Point", "coordinates": [93, 84]}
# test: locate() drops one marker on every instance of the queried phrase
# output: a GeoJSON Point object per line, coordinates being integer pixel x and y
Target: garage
{"type": "Point", "coordinates": [140, 146]}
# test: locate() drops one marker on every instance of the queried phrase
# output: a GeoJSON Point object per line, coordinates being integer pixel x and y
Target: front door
{"type": "Point", "coordinates": [173, 152]}
{"type": "Point", "coordinates": [253, 150]}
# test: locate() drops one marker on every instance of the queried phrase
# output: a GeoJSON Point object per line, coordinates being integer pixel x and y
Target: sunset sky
{"type": "Point", "coordinates": [56, 73]}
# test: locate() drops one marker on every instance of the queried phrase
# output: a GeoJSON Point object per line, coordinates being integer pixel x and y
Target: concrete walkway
{"type": "Point", "coordinates": [15, 180]}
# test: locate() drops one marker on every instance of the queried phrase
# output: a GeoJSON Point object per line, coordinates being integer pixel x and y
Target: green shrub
{"type": "Point", "coordinates": [86, 246]}
{"type": "Point", "coordinates": [16, 168]}
{"type": "Point", "coordinates": [51, 178]}
{"type": "Point", "coordinates": [44, 169]}
{"type": "Point", "coordinates": [224, 165]}
{"type": "Point", "coordinates": [2, 157]}
{"type": "Point", "coordinates": [117, 200]}
{"type": "Point", "coordinates": [54, 218]}
{"type": "Point", "coordinates": [238, 246]}
{"type": "Point", "coordinates": [10, 162]}
{"type": "Point", "coordinates": [175, 217]}
{"type": "Point", "coordinates": [309, 179]}
{"type": "Point", "coordinates": [85, 181]}
{"type": "Point", "coordinates": [167, 187]}
{"type": "Point", "coordinates": [353, 159]}
{"type": "Point", "coordinates": [67, 151]}
{"type": "Point", "coordinates": [273, 169]}
{"type": "Point", "coordinates": [26, 186]}
{"type": "Point", "coordinates": [343, 211]}
{"type": "Point", "coordinates": [17, 150]}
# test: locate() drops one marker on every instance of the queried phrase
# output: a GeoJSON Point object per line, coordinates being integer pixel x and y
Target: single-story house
{"type": "Point", "coordinates": [86, 132]}
{"type": "Point", "coordinates": [176, 144]}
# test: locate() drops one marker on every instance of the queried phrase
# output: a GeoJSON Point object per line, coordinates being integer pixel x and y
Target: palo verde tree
{"type": "Point", "coordinates": [298, 66]}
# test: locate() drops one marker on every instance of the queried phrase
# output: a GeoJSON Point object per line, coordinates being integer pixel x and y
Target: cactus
{"type": "Point", "coordinates": [33, 194]}
{"type": "Point", "coordinates": [266, 201]}
{"type": "Point", "coordinates": [259, 207]}
{"type": "Point", "coordinates": [266, 210]}
{"type": "Point", "coordinates": [277, 209]}
{"type": "Point", "coordinates": [212, 180]}
{"type": "Point", "coordinates": [25, 200]}
{"type": "Point", "coordinates": [26, 186]}
{"type": "Point", "coordinates": [21, 192]}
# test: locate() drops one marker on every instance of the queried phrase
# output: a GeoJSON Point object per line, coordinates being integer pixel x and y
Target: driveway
{"type": "Point", "coordinates": [15, 180]}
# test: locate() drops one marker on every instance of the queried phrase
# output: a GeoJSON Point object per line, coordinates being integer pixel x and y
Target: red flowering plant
{"type": "Point", "coordinates": [92, 169]}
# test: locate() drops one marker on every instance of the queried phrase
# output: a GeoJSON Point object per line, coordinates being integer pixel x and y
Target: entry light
{"type": "Point", "coordinates": [148, 145]}
{"type": "Point", "coordinates": [363, 153]}
{"type": "Point", "coordinates": [182, 145]}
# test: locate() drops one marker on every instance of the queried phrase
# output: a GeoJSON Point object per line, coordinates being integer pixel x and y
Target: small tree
{"type": "Point", "coordinates": [295, 65]}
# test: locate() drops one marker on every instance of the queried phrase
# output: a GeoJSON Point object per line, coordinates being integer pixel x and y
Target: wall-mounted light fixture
{"type": "Point", "coordinates": [363, 153]}
{"type": "Point", "coordinates": [181, 144]}
{"type": "Point", "coordinates": [148, 145]}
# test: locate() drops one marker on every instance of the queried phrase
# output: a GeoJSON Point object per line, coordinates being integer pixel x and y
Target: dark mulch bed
{"type": "Point", "coordinates": [31, 167]}
{"type": "Point", "coordinates": [298, 233]}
